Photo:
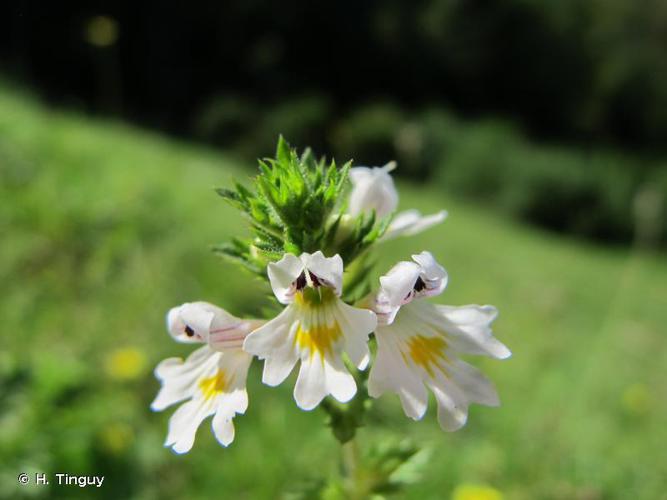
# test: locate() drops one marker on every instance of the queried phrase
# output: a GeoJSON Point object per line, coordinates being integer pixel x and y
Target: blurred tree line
{"type": "Point", "coordinates": [368, 78]}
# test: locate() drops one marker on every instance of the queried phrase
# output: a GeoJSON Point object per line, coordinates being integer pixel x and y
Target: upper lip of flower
{"type": "Point", "coordinates": [292, 274]}
{"type": "Point", "coordinates": [373, 189]}
{"type": "Point", "coordinates": [202, 322]}
{"type": "Point", "coordinates": [406, 281]}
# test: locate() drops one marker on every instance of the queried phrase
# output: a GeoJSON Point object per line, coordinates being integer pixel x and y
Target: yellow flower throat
{"type": "Point", "coordinates": [317, 330]}
{"type": "Point", "coordinates": [427, 352]}
{"type": "Point", "coordinates": [217, 384]}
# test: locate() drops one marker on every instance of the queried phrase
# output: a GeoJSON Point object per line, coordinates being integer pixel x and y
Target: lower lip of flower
{"type": "Point", "coordinates": [318, 339]}
{"type": "Point", "coordinates": [217, 384]}
{"type": "Point", "coordinates": [427, 352]}
{"type": "Point", "coordinates": [317, 331]}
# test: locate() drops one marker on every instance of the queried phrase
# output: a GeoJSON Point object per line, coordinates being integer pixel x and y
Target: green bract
{"type": "Point", "coordinates": [296, 204]}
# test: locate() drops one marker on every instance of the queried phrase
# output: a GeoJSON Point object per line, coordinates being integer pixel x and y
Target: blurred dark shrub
{"type": "Point", "coordinates": [300, 118]}
{"type": "Point", "coordinates": [564, 189]}
{"type": "Point", "coordinates": [225, 119]}
{"type": "Point", "coordinates": [651, 210]}
{"type": "Point", "coordinates": [368, 133]}
{"type": "Point", "coordinates": [241, 125]}
{"type": "Point", "coordinates": [378, 132]}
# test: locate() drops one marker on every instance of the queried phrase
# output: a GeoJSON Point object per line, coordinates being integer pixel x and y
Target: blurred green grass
{"type": "Point", "coordinates": [105, 227]}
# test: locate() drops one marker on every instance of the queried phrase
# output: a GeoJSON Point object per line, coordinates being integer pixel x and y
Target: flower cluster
{"type": "Point", "coordinates": [308, 225]}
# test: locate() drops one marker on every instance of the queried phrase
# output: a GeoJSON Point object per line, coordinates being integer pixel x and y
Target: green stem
{"type": "Point", "coordinates": [352, 476]}
{"type": "Point", "coordinates": [344, 420]}
{"type": "Point", "coordinates": [350, 455]}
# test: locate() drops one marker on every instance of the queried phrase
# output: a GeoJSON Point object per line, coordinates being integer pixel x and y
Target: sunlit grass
{"type": "Point", "coordinates": [105, 227]}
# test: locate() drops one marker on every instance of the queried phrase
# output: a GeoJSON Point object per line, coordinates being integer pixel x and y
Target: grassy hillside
{"type": "Point", "coordinates": [104, 227]}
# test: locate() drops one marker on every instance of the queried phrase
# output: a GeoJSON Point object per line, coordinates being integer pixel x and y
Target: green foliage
{"type": "Point", "coordinates": [345, 419]}
{"type": "Point", "coordinates": [296, 206]}
{"type": "Point", "coordinates": [388, 468]}
{"type": "Point", "coordinates": [392, 465]}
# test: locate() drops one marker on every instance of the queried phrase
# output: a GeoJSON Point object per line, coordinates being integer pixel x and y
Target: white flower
{"type": "Point", "coordinates": [419, 344]}
{"type": "Point", "coordinates": [316, 328]}
{"type": "Point", "coordinates": [212, 379]}
{"type": "Point", "coordinates": [373, 189]}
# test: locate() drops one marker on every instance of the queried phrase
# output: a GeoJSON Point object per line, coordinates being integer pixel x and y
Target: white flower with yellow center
{"type": "Point", "coordinates": [316, 328]}
{"type": "Point", "coordinates": [419, 344]}
{"type": "Point", "coordinates": [211, 380]}
{"type": "Point", "coordinates": [373, 189]}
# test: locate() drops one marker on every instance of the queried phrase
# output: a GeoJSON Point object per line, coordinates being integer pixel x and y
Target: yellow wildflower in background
{"type": "Point", "coordinates": [101, 31]}
{"type": "Point", "coordinates": [476, 492]}
{"type": "Point", "coordinates": [636, 399]}
{"type": "Point", "coordinates": [127, 363]}
{"type": "Point", "coordinates": [116, 437]}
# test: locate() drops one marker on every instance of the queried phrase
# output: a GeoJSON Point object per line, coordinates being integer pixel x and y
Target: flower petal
{"type": "Point", "coordinates": [216, 383]}
{"type": "Point", "coordinates": [278, 367]}
{"type": "Point", "coordinates": [270, 336]}
{"type": "Point", "coordinates": [475, 385]}
{"type": "Point", "coordinates": [395, 289]}
{"type": "Point", "coordinates": [223, 429]}
{"type": "Point", "coordinates": [464, 385]}
{"type": "Point", "coordinates": [340, 383]}
{"type": "Point", "coordinates": [184, 423]}
{"type": "Point", "coordinates": [399, 282]}
{"type": "Point", "coordinates": [328, 270]}
{"type": "Point", "coordinates": [432, 274]}
{"type": "Point", "coordinates": [235, 398]}
{"type": "Point", "coordinates": [179, 378]}
{"type": "Point", "coordinates": [319, 377]}
{"type": "Point", "coordinates": [181, 331]}
{"type": "Point", "coordinates": [283, 274]}
{"type": "Point", "coordinates": [411, 222]}
{"type": "Point", "coordinates": [372, 189]}
{"type": "Point", "coordinates": [311, 387]}
{"type": "Point", "coordinates": [325, 330]}
{"type": "Point", "coordinates": [357, 324]}
{"type": "Point", "coordinates": [406, 281]}
{"type": "Point", "coordinates": [274, 343]}
{"type": "Point", "coordinates": [452, 406]}
{"type": "Point", "coordinates": [468, 329]}
{"type": "Point", "coordinates": [389, 373]}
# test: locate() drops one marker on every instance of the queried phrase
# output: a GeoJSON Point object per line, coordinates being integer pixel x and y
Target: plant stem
{"type": "Point", "coordinates": [350, 456]}
{"type": "Point", "coordinates": [352, 473]}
